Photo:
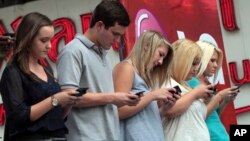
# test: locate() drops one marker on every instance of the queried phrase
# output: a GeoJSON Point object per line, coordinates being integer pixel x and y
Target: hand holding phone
{"type": "Point", "coordinates": [240, 85]}
{"type": "Point", "coordinates": [140, 93]}
{"type": "Point", "coordinates": [177, 89]}
{"type": "Point", "coordinates": [213, 89]}
{"type": "Point", "coordinates": [81, 91]}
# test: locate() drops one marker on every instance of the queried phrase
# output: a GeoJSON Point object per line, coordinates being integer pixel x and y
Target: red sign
{"type": "Point", "coordinates": [180, 19]}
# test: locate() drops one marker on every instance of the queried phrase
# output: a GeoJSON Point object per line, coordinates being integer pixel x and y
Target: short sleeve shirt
{"type": "Point", "coordinates": [83, 64]}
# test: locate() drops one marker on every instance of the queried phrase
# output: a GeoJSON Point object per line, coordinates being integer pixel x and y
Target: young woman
{"type": "Point", "coordinates": [145, 69]}
{"type": "Point", "coordinates": [35, 107]}
{"type": "Point", "coordinates": [185, 121]}
{"type": "Point", "coordinates": [210, 64]}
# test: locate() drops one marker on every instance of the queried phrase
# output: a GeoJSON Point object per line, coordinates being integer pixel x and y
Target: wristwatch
{"type": "Point", "coordinates": [54, 101]}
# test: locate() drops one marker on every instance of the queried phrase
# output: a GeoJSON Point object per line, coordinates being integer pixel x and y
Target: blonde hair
{"type": "Point", "coordinates": [208, 49]}
{"type": "Point", "coordinates": [185, 53]}
{"type": "Point", "coordinates": [142, 57]}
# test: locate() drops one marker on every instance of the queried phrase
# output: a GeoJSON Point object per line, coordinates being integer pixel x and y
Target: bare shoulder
{"type": "Point", "coordinates": [123, 68]}
{"type": "Point", "coordinates": [123, 72]}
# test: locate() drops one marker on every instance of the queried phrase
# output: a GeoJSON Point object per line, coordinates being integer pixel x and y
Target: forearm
{"type": "Point", "coordinates": [95, 99]}
{"type": "Point", "coordinates": [213, 103]}
{"type": "Point", "coordinates": [41, 108]}
{"type": "Point", "coordinates": [128, 111]}
{"type": "Point", "coordinates": [181, 105]}
{"type": "Point", "coordinates": [222, 107]}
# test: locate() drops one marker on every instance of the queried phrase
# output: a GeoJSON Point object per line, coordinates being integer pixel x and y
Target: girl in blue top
{"type": "Point", "coordinates": [145, 69]}
{"type": "Point", "coordinates": [210, 63]}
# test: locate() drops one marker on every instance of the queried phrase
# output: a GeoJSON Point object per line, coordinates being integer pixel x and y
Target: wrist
{"type": "Point", "coordinates": [111, 99]}
{"type": "Point", "coordinates": [196, 93]}
{"type": "Point", "coordinates": [219, 97]}
{"type": "Point", "coordinates": [153, 96]}
{"type": "Point", "coordinates": [54, 101]}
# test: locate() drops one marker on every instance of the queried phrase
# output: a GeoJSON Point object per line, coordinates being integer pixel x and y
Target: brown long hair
{"type": "Point", "coordinates": [25, 34]}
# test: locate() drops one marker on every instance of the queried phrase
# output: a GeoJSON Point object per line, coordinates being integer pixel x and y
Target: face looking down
{"type": "Point", "coordinates": [41, 44]}
{"type": "Point", "coordinates": [160, 53]}
{"type": "Point", "coordinates": [212, 65]}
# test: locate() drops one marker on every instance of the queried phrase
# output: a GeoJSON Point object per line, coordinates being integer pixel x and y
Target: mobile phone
{"type": "Point", "coordinates": [81, 91]}
{"type": "Point", "coordinates": [238, 86]}
{"type": "Point", "coordinates": [140, 93]}
{"type": "Point", "coordinates": [177, 89]}
{"type": "Point", "coordinates": [213, 89]}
